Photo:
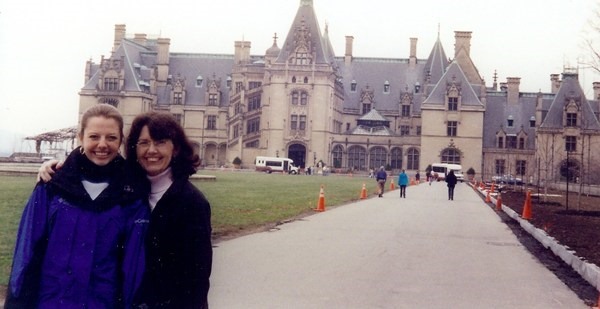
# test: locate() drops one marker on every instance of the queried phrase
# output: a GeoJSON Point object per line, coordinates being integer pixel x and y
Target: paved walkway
{"type": "Point", "coordinates": [420, 252]}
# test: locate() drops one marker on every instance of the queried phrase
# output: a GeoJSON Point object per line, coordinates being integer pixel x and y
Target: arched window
{"type": "Point", "coordinates": [412, 158]}
{"type": "Point", "coordinates": [451, 155]}
{"type": "Point", "coordinates": [357, 157]}
{"type": "Point", "coordinates": [338, 155]}
{"type": "Point", "coordinates": [377, 157]}
{"type": "Point", "coordinates": [396, 158]}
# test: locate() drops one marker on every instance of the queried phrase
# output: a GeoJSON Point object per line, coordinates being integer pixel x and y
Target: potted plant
{"type": "Point", "coordinates": [237, 162]}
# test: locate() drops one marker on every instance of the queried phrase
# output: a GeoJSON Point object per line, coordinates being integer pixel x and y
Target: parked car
{"type": "Point", "coordinates": [507, 179]}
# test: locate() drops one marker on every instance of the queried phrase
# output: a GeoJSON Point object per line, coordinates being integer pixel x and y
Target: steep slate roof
{"type": "Point", "coordinates": [437, 62]}
{"type": "Point", "coordinates": [454, 75]}
{"type": "Point", "coordinates": [306, 19]}
{"type": "Point", "coordinates": [374, 72]}
{"type": "Point", "coordinates": [498, 111]}
{"type": "Point", "coordinates": [570, 89]}
{"type": "Point", "coordinates": [192, 66]}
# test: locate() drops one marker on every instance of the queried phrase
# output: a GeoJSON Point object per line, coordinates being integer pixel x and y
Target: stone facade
{"type": "Point", "coordinates": [352, 113]}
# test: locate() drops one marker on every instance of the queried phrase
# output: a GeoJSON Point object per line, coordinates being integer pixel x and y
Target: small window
{"type": "Point", "coordinates": [521, 167]}
{"type": "Point", "coordinates": [211, 122]}
{"type": "Point", "coordinates": [510, 122]}
{"type": "Point", "coordinates": [386, 87]}
{"type": "Point", "coordinates": [404, 130]}
{"type": "Point", "coordinates": [571, 120]}
{"type": "Point", "coordinates": [532, 122]}
{"type": "Point", "coordinates": [453, 103]}
{"type": "Point", "coordinates": [353, 86]}
{"type": "Point", "coordinates": [571, 143]}
{"type": "Point", "coordinates": [212, 99]}
{"type": "Point", "coordinates": [452, 128]}
{"type": "Point", "coordinates": [306, 80]}
{"type": "Point", "coordinates": [405, 110]}
{"type": "Point", "coordinates": [500, 142]}
{"type": "Point", "coordinates": [199, 81]}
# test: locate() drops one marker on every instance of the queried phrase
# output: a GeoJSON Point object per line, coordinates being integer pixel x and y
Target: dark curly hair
{"type": "Point", "coordinates": [162, 125]}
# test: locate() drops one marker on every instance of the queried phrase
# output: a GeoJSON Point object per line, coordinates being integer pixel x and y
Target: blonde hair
{"type": "Point", "coordinates": [101, 110]}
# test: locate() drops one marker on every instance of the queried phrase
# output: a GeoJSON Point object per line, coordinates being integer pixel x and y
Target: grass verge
{"type": "Point", "coordinates": [240, 202]}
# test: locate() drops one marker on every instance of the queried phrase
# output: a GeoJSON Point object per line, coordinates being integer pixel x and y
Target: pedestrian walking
{"type": "Point", "coordinates": [381, 178]}
{"type": "Point", "coordinates": [430, 177]}
{"type": "Point", "coordinates": [417, 177]}
{"type": "Point", "coordinates": [451, 181]}
{"type": "Point", "coordinates": [403, 182]}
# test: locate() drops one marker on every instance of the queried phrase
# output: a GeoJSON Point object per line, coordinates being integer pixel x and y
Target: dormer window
{"type": "Point", "coordinates": [353, 86]}
{"type": "Point", "coordinates": [229, 82]}
{"type": "Point", "coordinates": [302, 58]}
{"type": "Point", "coordinates": [571, 120]}
{"type": "Point", "coordinates": [417, 87]}
{"type": "Point", "coordinates": [532, 122]}
{"type": "Point", "coordinates": [199, 81]}
{"type": "Point", "coordinates": [453, 103]}
{"type": "Point", "coordinates": [510, 121]}
{"type": "Point", "coordinates": [386, 87]}
{"type": "Point", "coordinates": [169, 79]}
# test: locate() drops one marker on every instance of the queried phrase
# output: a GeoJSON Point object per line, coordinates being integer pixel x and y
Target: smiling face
{"type": "Point", "coordinates": [101, 139]}
{"type": "Point", "coordinates": [153, 155]}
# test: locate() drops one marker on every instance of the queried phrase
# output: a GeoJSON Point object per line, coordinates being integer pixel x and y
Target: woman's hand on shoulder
{"type": "Point", "coordinates": [47, 169]}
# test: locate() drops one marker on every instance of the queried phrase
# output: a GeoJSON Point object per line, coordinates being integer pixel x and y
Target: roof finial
{"type": "Point", "coordinates": [438, 30]}
{"type": "Point", "coordinates": [306, 2]}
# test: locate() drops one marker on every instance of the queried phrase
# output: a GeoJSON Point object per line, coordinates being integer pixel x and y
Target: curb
{"type": "Point", "coordinates": [588, 271]}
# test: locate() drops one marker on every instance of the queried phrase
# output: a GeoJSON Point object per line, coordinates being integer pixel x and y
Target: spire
{"type": "Point", "coordinates": [305, 39]}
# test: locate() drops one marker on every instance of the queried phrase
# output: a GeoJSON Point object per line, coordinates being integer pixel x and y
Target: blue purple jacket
{"type": "Point", "coordinates": [72, 252]}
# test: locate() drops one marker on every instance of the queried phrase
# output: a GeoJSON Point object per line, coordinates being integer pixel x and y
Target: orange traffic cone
{"type": "Point", "coordinates": [527, 206]}
{"type": "Point", "coordinates": [499, 202]}
{"type": "Point", "coordinates": [321, 203]}
{"type": "Point", "coordinates": [392, 186]}
{"type": "Point", "coordinates": [363, 192]}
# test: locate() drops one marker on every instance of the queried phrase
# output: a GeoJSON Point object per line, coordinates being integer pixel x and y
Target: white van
{"type": "Point", "coordinates": [442, 169]}
{"type": "Point", "coordinates": [275, 164]}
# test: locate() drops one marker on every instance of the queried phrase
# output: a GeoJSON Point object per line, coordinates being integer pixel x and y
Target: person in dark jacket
{"type": "Point", "coordinates": [81, 237]}
{"type": "Point", "coordinates": [178, 243]}
{"type": "Point", "coordinates": [381, 178]}
{"type": "Point", "coordinates": [451, 180]}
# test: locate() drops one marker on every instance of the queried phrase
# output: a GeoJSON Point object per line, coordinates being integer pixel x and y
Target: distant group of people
{"type": "Point", "coordinates": [103, 231]}
{"type": "Point", "coordinates": [403, 181]}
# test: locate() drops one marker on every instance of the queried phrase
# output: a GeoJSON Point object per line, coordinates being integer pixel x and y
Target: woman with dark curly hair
{"type": "Point", "coordinates": [178, 243]}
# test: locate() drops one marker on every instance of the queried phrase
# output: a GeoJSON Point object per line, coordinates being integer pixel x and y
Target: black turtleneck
{"type": "Point", "coordinates": [122, 188]}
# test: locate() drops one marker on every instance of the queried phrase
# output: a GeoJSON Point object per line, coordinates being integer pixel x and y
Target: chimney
{"type": "Point", "coordinates": [413, 52]}
{"type": "Point", "coordinates": [119, 36]}
{"type": "Point", "coordinates": [596, 90]}
{"type": "Point", "coordinates": [162, 59]}
{"type": "Point", "coordinates": [242, 52]}
{"type": "Point", "coordinates": [462, 40]}
{"type": "Point", "coordinates": [512, 84]}
{"type": "Point", "coordinates": [140, 38]}
{"type": "Point", "coordinates": [348, 55]}
{"type": "Point", "coordinates": [554, 83]}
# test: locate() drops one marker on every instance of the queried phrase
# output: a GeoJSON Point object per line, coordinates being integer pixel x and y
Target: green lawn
{"type": "Point", "coordinates": [239, 201]}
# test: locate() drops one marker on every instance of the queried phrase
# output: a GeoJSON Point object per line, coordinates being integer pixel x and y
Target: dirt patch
{"type": "Point", "coordinates": [576, 227]}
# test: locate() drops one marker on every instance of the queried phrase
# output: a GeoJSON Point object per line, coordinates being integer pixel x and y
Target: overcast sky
{"type": "Point", "coordinates": [44, 44]}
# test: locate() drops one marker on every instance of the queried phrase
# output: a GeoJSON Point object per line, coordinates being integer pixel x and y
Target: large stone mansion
{"type": "Point", "coordinates": [299, 100]}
